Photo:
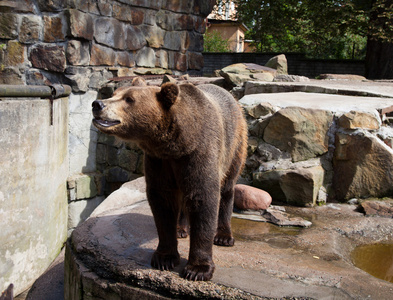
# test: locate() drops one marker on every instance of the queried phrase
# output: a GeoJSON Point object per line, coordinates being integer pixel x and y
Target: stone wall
{"type": "Point", "coordinates": [307, 149]}
{"type": "Point", "coordinates": [298, 64]}
{"type": "Point", "coordinates": [83, 43]}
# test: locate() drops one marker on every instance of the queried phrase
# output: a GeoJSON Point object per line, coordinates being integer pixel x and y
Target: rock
{"type": "Point", "coordinates": [194, 61]}
{"type": "Point", "coordinates": [154, 36]}
{"type": "Point", "coordinates": [15, 54]}
{"type": "Point", "coordinates": [268, 77]}
{"type": "Point", "coordinates": [281, 218]}
{"type": "Point", "coordinates": [128, 14]}
{"type": "Point", "coordinates": [146, 58]}
{"type": "Point", "coordinates": [180, 61]}
{"type": "Point", "coordinates": [135, 39]}
{"type": "Point", "coordinates": [109, 32]}
{"type": "Point", "coordinates": [247, 69]}
{"type": "Point", "coordinates": [51, 6]}
{"type": "Point", "coordinates": [248, 197]}
{"type": "Point", "coordinates": [54, 31]}
{"type": "Point", "coordinates": [378, 208]}
{"type": "Point", "coordinates": [301, 132]}
{"type": "Point", "coordinates": [279, 63]}
{"type": "Point", "coordinates": [78, 53]}
{"type": "Point", "coordinates": [81, 24]}
{"type": "Point", "coordinates": [235, 79]}
{"type": "Point", "coordinates": [260, 110]}
{"type": "Point", "coordinates": [8, 26]}
{"type": "Point", "coordinates": [30, 29]}
{"type": "Point", "coordinates": [79, 78]}
{"type": "Point", "coordinates": [357, 119]}
{"type": "Point", "coordinates": [125, 59]}
{"type": "Point", "coordinates": [270, 181]}
{"type": "Point", "coordinates": [51, 58]}
{"type": "Point", "coordinates": [10, 76]}
{"type": "Point", "coordinates": [168, 78]}
{"type": "Point", "coordinates": [290, 78]}
{"type": "Point", "coordinates": [342, 77]}
{"type": "Point", "coordinates": [102, 56]}
{"type": "Point", "coordinates": [176, 41]}
{"type": "Point", "coordinates": [162, 59]}
{"type": "Point", "coordinates": [301, 186]}
{"type": "Point", "coordinates": [361, 166]}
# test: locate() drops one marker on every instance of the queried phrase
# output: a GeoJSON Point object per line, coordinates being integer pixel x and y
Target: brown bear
{"type": "Point", "coordinates": [194, 139]}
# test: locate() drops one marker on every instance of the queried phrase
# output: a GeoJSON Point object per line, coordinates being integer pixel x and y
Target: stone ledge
{"type": "Point", "coordinates": [108, 257]}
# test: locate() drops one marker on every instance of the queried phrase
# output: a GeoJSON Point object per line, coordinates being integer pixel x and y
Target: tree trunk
{"type": "Point", "coordinates": [379, 60]}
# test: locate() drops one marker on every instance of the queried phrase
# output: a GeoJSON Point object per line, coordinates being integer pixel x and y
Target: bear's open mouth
{"type": "Point", "coordinates": [105, 123]}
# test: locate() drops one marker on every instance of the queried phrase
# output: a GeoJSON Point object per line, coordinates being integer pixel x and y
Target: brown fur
{"type": "Point", "coordinates": [194, 139]}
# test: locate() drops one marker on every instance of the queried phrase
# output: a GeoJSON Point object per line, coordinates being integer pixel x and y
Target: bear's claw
{"type": "Point", "coordinates": [165, 262]}
{"type": "Point", "coordinates": [198, 272]}
{"type": "Point", "coordinates": [224, 240]}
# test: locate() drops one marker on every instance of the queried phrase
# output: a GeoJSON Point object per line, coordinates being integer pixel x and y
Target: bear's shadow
{"type": "Point", "coordinates": [134, 238]}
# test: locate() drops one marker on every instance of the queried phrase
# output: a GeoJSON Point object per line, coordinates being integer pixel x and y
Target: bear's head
{"type": "Point", "coordinates": [136, 112]}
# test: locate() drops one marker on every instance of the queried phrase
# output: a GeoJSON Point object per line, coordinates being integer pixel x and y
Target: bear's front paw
{"type": "Point", "coordinates": [165, 261]}
{"type": "Point", "coordinates": [198, 272]}
{"type": "Point", "coordinates": [224, 240]}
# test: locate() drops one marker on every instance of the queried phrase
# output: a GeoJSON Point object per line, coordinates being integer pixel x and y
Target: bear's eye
{"type": "Point", "coordinates": [129, 100]}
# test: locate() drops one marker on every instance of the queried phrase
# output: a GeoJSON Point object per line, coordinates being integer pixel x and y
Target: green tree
{"type": "Point", "coordinates": [321, 29]}
{"type": "Point", "coordinates": [213, 42]}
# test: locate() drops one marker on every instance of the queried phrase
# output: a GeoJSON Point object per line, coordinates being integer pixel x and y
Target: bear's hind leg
{"type": "Point", "coordinates": [182, 225]}
{"type": "Point", "coordinates": [224, 233]}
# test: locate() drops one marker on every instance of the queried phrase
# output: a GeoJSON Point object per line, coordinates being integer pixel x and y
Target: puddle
{"type": "Point", "coordinates": [247, 230]}
{"type": "Point", "coordinates": [376, 259]}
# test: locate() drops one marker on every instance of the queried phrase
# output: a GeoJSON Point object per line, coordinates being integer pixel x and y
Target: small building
{"type": "Point", "coordinates": [230, 30]}
{"type": "Point", "coordinates": [223, 20]}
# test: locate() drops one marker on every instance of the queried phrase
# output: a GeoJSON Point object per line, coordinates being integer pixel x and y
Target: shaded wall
{"type": "Point", "coordinates": [33, 193]}
{"type": "Point", "coordinates": [298, 64]}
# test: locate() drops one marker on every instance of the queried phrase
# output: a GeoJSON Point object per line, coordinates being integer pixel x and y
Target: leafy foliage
{"type": "Point", "coordinates": [213, 42]}
{"type": "Point", "coordinates": [321, 29]}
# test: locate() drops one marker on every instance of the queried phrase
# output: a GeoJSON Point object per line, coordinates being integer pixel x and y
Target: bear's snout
{"type": "Point", "coordinates": [97, 105]}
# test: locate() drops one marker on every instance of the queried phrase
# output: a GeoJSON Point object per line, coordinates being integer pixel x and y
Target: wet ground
{"type": "Point", "coordinates": [269, 261]}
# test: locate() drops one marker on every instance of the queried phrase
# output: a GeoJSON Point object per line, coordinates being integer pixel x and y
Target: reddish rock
{"type": "Point", "coordinates": [248, 197]}
{"type": "Point", "coordinates": [51, 58]}
{"type": "Point", "coordinates": [378, 208]}
{"type": "Point", "coordinates": [180, 62]}
{"type": "Point", "coordinates": [53, 29]}
{"type": "Point", "coordinates": [102, 56]}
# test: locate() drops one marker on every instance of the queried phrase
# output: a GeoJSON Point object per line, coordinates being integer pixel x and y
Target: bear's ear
{"type": "Point", "coordinates": [168, 94]}
{"type": "Point", "coordinates": [138, 81]}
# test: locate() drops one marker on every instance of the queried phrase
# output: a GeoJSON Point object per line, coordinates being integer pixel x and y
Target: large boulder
{"type": "Point", "coordinates": [237, 74]}
{"type": "Point", "coordinates": [278, 63]}
{"type": "Point", "coordinates": [362, 166]}
{"type": "Point", "coordinates": [358, 119]}
{"type": "Point", "coordinates": [301, 132]}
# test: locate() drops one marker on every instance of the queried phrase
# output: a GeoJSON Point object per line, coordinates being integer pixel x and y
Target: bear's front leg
{"type": "Point", "coordinates": [166, 257]}
{"type": "Point", "coordinates": [203, 211]}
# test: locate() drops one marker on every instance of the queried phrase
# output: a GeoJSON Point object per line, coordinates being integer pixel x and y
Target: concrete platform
{"type": "Point", "coordinates": [330, 102]}
{"type": "Point", "coordinates": [108, 256]}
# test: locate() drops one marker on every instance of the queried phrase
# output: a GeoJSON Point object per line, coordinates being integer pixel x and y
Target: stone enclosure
{"type": "Point", "coordinates": [312, 148]}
